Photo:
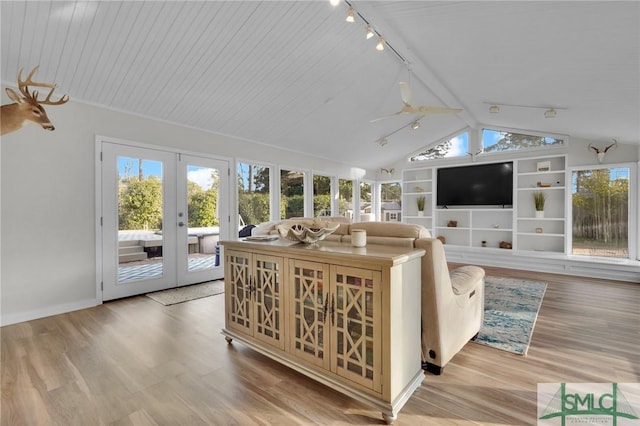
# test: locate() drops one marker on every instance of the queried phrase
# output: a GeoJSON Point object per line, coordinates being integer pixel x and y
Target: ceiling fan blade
{"type": "Point", "coordinates": [425, 110]}
{"type": "Point", "coordinates": [405, 93]}
{"type": "Point", "coordinates": [386, 116]}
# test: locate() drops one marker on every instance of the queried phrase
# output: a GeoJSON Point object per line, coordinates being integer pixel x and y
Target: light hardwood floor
{"type": "Point", "coordinates": [136, 362]}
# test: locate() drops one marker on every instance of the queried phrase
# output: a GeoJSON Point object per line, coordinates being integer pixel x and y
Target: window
{"type": "Point", "coordinates": [600, 212]}
{"type": "Point", "coordinates": [457, 146]}
{"type": "Point", "coordinates": [345, 206]}
{"type": "Point", "coordinates": [366, 203]}
{"type": "Point", "coordinates": [321, 195]}
{"type": "Point", "coordinates": [390, 202]}
{"type": "Point", "coordinates": [253, 193]}
{"type": "Point", "coordinates": [500, 141]}
{"type": "Point", "coordinates": [291, 194]}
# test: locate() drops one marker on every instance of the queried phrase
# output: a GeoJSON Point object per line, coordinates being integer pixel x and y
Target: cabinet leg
{"type": "Point", "coordinates": [389, 418]}
{"type": "Point", "coordinates": [228, 339]}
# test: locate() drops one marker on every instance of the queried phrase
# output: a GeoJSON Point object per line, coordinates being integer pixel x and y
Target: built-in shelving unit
{"type": "Point", "coordinates": [486, 227]}
{"type": "Point", "coordinates": [417, 183]}
{"type": "Point", "coordinates": [548, 232]}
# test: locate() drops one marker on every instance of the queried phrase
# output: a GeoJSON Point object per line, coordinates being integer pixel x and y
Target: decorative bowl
{"type": "Point", "coordinates": [307, 234]}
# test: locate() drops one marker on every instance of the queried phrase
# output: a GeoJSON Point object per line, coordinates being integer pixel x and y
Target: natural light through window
{"type": "Point", "coordinates": [600, 217]}
{"type": "Point", "coordinates": [500, 141]}
{"type": "Point", "coordinates": [457, 146]}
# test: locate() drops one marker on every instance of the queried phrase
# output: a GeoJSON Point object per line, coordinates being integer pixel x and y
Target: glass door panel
{"type": "Point", "coordinates": [202, 205]}
{"type": "Point", "coordinates": [138, 235]}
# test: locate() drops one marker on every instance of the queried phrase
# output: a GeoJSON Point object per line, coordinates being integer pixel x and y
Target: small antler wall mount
{"type": "Point", "coordinates": [602, 152]}
{"type": "Point", "coordinates": [27, 107]}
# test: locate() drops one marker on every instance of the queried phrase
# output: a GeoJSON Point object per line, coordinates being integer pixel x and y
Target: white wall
{"type": "Point", "coordinates": [47, 183]}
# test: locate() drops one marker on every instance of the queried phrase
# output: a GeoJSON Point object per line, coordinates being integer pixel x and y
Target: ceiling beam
{"type": "Point", "coordinates": [417, 67]}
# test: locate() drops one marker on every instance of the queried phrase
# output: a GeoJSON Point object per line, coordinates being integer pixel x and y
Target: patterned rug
{"type": "Point", "coordinates": [190, 292]}
{"type": "Point", "coordinates": [510, 311]}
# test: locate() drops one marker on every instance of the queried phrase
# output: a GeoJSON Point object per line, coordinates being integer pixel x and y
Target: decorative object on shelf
{"type": "Point", "coordinates": [452, 224]}
{"type": "Point", "coordinates": [539, 230]}
{"type": "Point", "coordinates": [543, 166]}
{"type": "Point", "coordinates": [358, 238]}
{"type": "Point", "coordinates": [543, 185]}
{"type": "Point", "coordinates": [307, 234]}
{"type": "Point", "coordinates": [539, 199]}
{"type": "Point", "coordinates": [496, 225]}
{"type": "Point", "coordinates": [601, 152]}
{"type": "Point", "coordinates": [442, 239]}
{"type": "Point", "coordinates": [483, 243]}
{"type": "Point", "coordinates": [505, 245]}
{"type": "Point", "coordinates": [420, 201]}
{"type": "Point", "coordinates": [418, 189]}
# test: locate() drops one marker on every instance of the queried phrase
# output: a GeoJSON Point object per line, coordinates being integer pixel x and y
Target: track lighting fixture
{"type": "Point", "coordinates": [383, 141]}
{"type": "Point", "coordinates": [415, 125]}
{"type": "Point", "coordinates": [380, 45]}
{"type": "Point", "coordinates": [494, 109]}
{"type": "Point", "coordinates": [550, 113]}
{"type": "Point", "coordinates": [369, 32]}
{"type": "Point", "coordinates": [351, 15]}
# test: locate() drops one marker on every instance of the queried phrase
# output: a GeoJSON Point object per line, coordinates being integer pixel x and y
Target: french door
{"type": "Point", "coordinates": [162, 216]}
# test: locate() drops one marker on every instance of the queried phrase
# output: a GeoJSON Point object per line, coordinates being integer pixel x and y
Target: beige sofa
{"type": "Point", "coordinates": [452, 302]}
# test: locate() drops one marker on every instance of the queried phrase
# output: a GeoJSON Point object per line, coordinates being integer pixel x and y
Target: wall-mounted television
{"type": "Point", "coordinates": [475, 185]}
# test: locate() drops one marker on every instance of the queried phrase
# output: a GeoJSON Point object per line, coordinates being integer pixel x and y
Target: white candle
{"type": "Point", "coordinates": [358, 238]}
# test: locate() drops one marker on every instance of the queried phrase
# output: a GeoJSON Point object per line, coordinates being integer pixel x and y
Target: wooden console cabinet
{"type": "Point", "coordinates": [347, 317]}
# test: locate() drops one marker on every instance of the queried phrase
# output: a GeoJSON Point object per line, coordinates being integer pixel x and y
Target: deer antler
{"type": "Point", "coordinates": [614, 144]}
{"type": "Point", "coordinates": [23, 86]}
{"type": "Point", "coordinates": [597, 151]}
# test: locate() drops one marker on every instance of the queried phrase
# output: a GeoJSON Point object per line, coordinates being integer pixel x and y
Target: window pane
{"type": "Point", "coordinates": [365, 202]}
{"type": "Point", "coordinates": [321, 195]}
{"type": "Point", "coordinates": [499, 141]}
{"type": "Point", "coordinates": [292, 194]}
{"type": "Point", "coordinates": [253, 193]}
{"type": "Point", "coordinates": [600, 212]}
{"type": "Point", "coordinates": [455, 147]}
{"type": "Point", "coordinates": [140, 205]}
{"type": "Point", "coordinates": [345, 206]}
{"type": "Point", "coordinates": [390, 202]}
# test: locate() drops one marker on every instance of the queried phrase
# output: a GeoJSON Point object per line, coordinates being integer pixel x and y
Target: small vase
{"type": "Point", "coordinates": [539, 214]}
{"type": "Point", "coordinates": [420, 213]}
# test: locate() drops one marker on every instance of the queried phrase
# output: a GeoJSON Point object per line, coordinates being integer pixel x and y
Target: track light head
{"type": "Point", "coordinates": [550, 113]}
{"type": "Point", "coordinates": [351, 15]}
{"type": "Point", "coordinates": [380, 45]}
{"type": "Point", "coordinates": [369, 32]}
{"type": "Point", "coordinates": [494, 109]}
{"type": "Point", "coordinates": [334, 3]}
{"type": "Point", "coordinates": [383, 141]}
{"type": "Point", "coordinates": [415, 125]}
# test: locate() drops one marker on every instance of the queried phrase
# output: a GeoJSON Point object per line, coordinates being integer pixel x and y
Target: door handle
{"type": "Point", "coordinates": [181, 224]}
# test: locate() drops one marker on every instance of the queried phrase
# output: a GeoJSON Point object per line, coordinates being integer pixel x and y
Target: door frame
{"type": "Point", "coordinates": [99, 139]}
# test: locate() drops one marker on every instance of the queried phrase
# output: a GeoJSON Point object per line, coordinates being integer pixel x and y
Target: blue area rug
{"type": "Point", "coordinates": [510, 311]}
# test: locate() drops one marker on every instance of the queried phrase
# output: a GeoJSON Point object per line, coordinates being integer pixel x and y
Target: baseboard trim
{"type": "Point", "coordinates": [619, 270]}
{"type": "Point", "coordinates": [9, 319]}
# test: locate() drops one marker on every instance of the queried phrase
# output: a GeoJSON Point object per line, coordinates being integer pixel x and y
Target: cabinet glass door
{"type": "Point", "coordinates": [238, 288]}
{"type": "Point", "coordinates": [267, 272]}
{"type": "Point", "coordinates": [310, 311]}
{"type": "Point", "coordinates": [356, 334]}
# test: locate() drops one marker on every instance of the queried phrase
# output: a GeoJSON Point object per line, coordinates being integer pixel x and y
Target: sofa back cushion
{"type": "Point", "coordinates": [392, 229]}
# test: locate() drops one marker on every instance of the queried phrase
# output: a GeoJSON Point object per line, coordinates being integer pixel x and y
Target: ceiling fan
{"type": "Point", "coordinates": [405, 93]}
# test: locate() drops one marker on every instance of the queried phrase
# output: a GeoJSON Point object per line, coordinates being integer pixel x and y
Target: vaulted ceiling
{"type": "Point", "coordinates": [295, 75]}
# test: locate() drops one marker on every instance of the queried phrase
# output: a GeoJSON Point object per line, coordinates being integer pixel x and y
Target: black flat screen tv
{"type": "Point", "coordinates": [475, 185]}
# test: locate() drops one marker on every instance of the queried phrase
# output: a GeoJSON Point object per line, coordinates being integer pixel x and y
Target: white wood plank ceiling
{"type": "Point", "coordinates": [294, 74]}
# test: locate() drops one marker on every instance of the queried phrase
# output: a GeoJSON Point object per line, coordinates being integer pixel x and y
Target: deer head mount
{"type": "Point", "coordinates": [601, 152]}
{"type": "Point", "coordinates": [27, 106]}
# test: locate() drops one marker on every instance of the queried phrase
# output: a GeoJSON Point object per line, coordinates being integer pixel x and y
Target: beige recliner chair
{"type": "Point", "coordinates": [452, 306]}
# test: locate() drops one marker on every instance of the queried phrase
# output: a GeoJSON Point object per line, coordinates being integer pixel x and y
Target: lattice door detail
{"type": "Point", "coordinates": [237, 282]}
{"type": "Point", "coordinates": [309, 304]}
{"type": "Point", "coordinates": [357, 333]}
{"type": "Point", "coordinates": [268, 288]}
